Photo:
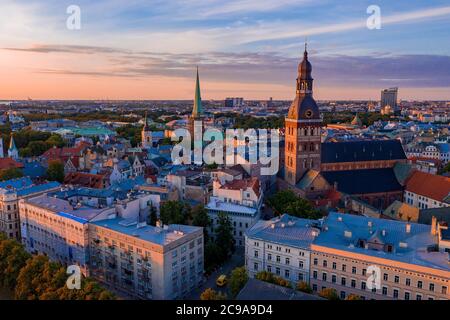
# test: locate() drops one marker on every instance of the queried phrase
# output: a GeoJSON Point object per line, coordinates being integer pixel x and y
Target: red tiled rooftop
{"type": "Point", "coordinates": [428, 185]}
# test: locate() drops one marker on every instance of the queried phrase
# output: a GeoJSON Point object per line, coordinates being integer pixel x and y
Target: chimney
{"type": "Point", "coordinates": [408, 228]}
{"type": "Point", "coordinates": [434, 226]}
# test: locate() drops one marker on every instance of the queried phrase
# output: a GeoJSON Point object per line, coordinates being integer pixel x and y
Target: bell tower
{"type": "Point", "coordinates": [302, 128]}
{"type": "Point", "coordinates": [146, 135]}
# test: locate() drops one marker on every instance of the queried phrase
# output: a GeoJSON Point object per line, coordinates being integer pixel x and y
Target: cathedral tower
{"type": "Point", "coordinates": [197, 110]}
{"type": "Point", "coordinates": [146, 135]}
{"type": "Point", "coordinates": [303, 128]}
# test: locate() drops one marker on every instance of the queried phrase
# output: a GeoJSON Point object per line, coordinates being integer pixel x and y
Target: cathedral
{"type": "Point", "coordinates": [369, 170]}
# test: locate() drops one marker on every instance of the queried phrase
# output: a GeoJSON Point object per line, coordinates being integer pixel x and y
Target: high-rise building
{"type": "Point", "coordinates": [234, 102]}
{"type": "Point", "coordinates": [389, 98]}
{"type": "Point", "coordinates": [303, 128]}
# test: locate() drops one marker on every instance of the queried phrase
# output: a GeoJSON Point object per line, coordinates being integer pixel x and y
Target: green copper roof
{"type": "Point", "coordinates": [197, 110]}
{"type": "Point", "coordinates": [12, 144]}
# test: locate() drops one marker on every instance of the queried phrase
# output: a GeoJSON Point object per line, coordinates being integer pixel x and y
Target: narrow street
{"type": "Point", "coordinates": [236, 260]}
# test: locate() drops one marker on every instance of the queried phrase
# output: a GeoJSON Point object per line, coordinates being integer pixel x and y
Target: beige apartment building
{"type": "Point", "coordinates": [11, 191]}
{"type": "Point", "coordinates": [146, 262]}
{"type": "Point", "coordinates": [403, 260]}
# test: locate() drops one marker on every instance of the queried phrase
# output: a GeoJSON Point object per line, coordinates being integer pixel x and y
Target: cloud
{"type": "Point", "coordinates": [375, 70]}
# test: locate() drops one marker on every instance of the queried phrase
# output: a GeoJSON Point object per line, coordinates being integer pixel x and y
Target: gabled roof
{"type": "Point", "coordinates": [363, 181]}
{"type": "Point", "coordinates": [429, 185]}
{"type": "Point", "coordinates": [243, 184]}
{"type": "Point", "coordinates": [366, 150]}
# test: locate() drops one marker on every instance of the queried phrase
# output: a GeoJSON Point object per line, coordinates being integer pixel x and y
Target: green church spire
{"type": "Point", "coordinates": [197, 110]}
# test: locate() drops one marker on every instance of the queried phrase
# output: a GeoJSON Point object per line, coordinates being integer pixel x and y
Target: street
{"type": "Point", "coordinates": [236, 260]}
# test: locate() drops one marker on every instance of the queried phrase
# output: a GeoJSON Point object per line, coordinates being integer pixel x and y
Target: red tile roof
{"type": "Point", "coordinates": [243, 184]}
{"type": "Point", "coordinates": [428, 185]}
{"type": "Point", "coordinates": [7, 163]}
{"type": "Point", "coordinates": [85, 179]}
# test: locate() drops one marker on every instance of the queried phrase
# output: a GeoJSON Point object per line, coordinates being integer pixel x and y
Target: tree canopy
{"type": "Point", "coordinates": [55, 171]}
{"type": "Point", "coordinates": [286, 201]}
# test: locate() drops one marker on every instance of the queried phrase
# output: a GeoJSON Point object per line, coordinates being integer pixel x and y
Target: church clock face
{"type": "Point", "coordinates": [308, 113]}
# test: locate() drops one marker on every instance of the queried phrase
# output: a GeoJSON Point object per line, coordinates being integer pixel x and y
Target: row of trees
{"type": "Point", "coordinates": [286, 201]}
{"type": "Point", "coordinates": [29, 142]}
{"type": "Point", "coordinates": [55, 172]}
{"type": "Point", "coordinates": [217, 250]}
{"type": "Point", "coordinates": [35, 277]}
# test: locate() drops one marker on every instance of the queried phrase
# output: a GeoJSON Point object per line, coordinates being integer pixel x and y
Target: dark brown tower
{"type": "Point", "coordinates": [303, 128]}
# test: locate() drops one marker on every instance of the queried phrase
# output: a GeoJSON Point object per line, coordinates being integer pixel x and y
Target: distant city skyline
{"type": "Point", "coordinates": [144, 50]}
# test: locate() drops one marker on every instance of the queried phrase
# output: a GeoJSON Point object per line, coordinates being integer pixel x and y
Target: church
{"type": "Point", "coordinates": [368, 170]}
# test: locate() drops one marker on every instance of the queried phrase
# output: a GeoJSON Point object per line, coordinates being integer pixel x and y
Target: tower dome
{"type": "Point", "coordinates": [304, 107]}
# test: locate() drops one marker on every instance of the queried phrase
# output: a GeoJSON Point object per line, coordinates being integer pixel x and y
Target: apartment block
{"type": "Point", "coordinates": [381, 259]}
{"type": "Point", "coordinates": [281, 246]}
{"type": "Point", "coordinates": [146, 262]}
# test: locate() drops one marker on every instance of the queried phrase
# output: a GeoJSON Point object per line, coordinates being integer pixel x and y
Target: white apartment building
{"type": "Point", "coordinates": [281, 246]}
{"type": "Point", "coordinates": [146, 262]}
{"type": "Point", "coordinates": [241, 201]}
{"type": "Point", "coordinates": [11, 191]}
{"type": "Point", "coordinates": [426, 191]}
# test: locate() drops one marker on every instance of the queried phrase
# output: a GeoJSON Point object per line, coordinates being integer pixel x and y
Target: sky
{"type": "Point", "coordinates": [149, 49]}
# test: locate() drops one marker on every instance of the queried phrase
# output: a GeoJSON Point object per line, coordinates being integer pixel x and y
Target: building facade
{"type": "Point", "coordinates": [401, 260]}
{"type": "Point", "coordinates": [281, 246]}
{"type": "Point", "coordinates": [146, 262]}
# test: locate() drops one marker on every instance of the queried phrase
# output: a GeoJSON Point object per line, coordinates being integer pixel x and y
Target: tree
{"type": "Point", "coordinates": [174, 212]}
{"type": "Point", "coordinates": [152, 217]}
{"type": "Point", "coordinates": [13, 257]}
{"type": "Point", "coordinates": [200, 218]}
{"type": "Point", "coordinates": [213, 256]}
{"type": "Point", "coordinates": [445, 169]}
{"type": "Point", "coordinates": [271, 278]}
{"type": "Point", "coordinates": [238, 279]}
{"type": "Point", "coordinates": [55, 171]}
{"type": "Point", "coordinates": [286, 201]}
{"type": "Point", "coordinates": [329, 293]}
{"type": "Point", "coordinates": [353, 296]}
{"type": "Point", "coordinates": [11, 173]}
{"type": "Point", "coordinates": [224, 235]}
{"type": "Point", "coordinates": [210, 294]}
{"type": "Point", "coordinates": [304, 287]}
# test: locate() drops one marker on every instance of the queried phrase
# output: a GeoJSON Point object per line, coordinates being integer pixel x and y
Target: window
{"type": "Point", "coordinates": [315, 274]}
{"type": "Point", "coordinates": [342, 294]}
{"type": "Point", "coordinates": [269, 257]}
{"type": "Point", "coordinates": [333, 278]}
{"type": "Point", "coordinates": [408, 282]}
{"type": "Point", "coordinates": [419, 297]}
{"type": "Point", "coordinates": [334, 266]}
{"type": "Point", "coordinates": [324, 276]}
{"type": "Point", "coordinates": [300, 276]}
{"type": "Point", "coordinates": [277, 271]}
{"type": "Point", "coordinates": [255, 266]}
{"type": "Point", "coordinates": [315, 261]}
{"type": "Point", "coordinates": [343, 281]}
{"type": "Point", "coordinates": [256, 253]}
{"type": "Point", "coordinates": [444, 290]}
{"type": "Point", "coordinates": [364, 272]}
{"type": "Point", "coordinates": [286, 274]}
{"type": "Point", "coordinates": [363, 285]}
{"type": "Point", "coordinates": [300, 264]}
{"type": "Point", "coordinates": [354, 270]}
{"type": "Point", "coordinates": [396, 279]}
{"type": "Point", "coordinates": [269, 268]}
{"type": "Point", "coordinates": [395, 294]}
{"type": "Point", "coordinates": [407, 295]}
{"type": "Point", "coordinates": [385, 277]}
{"type": "Point", "coordinates": [431, 287]}
{"type": "Point", "coordinates": [384, 291]}
{"type": "Point", "coordinates": [353, 283]}
{"type": "Point", "coordinates": [278, 259]}
{"type": "Point", "coordinates": [314, 287]}
{"type": "Point", "coordinates": [419, 284]}
{"type": "Point", "coordinates": [344, 267]}
{"type": "Point", "coordinates": [325, 263]}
